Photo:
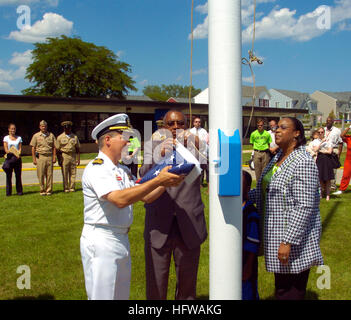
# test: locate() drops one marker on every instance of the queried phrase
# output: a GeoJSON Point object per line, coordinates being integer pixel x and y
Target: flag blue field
{"type": "Point", "coordinates": [176, 160]}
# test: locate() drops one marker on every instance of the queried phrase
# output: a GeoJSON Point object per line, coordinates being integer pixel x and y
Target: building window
{"type": "Point", "coordinates": [287, 104]}
{"type": "Point", "coordinates": [263, 102]}
{"type": "Point", "coordinates": [277, 104]}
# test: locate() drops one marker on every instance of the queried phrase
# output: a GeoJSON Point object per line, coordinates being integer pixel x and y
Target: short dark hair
{"type": "Point", "coordinates": [301, 139]}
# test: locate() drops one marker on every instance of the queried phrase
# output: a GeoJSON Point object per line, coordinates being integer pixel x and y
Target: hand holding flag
{"type": "Point", "coordinates": [181, 161]}
{"type": "Point", "coordinates": [168, 179]}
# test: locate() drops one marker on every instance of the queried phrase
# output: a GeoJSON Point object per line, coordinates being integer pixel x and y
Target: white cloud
{"type": "Point", "coordinates": [6, 75]}
{"type": "Point", "coordinates": [199, 71]}
{"type": "Point", "coordinates": [144, 82]}
{"type": "Point", "coordinates": [5, 87]}
{"type": "Point", "coordinates": [282, 23]}
{"type": "Point", "coordinates": [201, 31]}
{"type": "Point", "coordinates": [52, 25]}
{"type": "Point", "coordinates": [202, 8]}
{"type": "Point", "coordinates": [120, 53]}
{"type": "Point", "coordinates": [247, 79]}
{"type": "Point", "coordinates": [21, 61]}
{"type": "Point", "coordinates": [53, 3]}
{"type": "Point", "coordinates": [247, 11]}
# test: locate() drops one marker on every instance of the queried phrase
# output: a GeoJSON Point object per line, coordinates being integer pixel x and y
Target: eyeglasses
{"type": "Point", "coordinates": [320, 132]}
{"type": "Point", "coordinates": [172, 123]}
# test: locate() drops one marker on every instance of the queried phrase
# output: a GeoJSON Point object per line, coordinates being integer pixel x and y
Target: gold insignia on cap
{"type": "Point", "coordinates": [119, 128]}
{"type": "Point", "coordinates": [98, 161]}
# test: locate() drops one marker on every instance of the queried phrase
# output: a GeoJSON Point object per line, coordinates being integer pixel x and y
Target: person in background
{"type": "Point", "coordinates": [324, 163]}
{"type": "Point", "coordinates": [287, 196]}
{"type": "Point", "coordinates": [315, 141]}
{"type": "Point", "coordinates": [333, 135]}
{"type": "Point", "coordinates": [197, 130]}
{"type": "Point", "coordinates": [251, 242]}
{"type": "Point", "coordinates": [260, 139]}
{"type": "Point", "coordinates": [13, 149]}
{"type": "Point", "coordinates": [175, 224]}
{"type": "Point", "coordinates": [346, 175]}
{"type": "Point", "coordinates": [44, 157]}
{"type": "Point", "coordinates": [67, 145]}
{"type": "Point", "coordinates": [133, 155]}
{"type": "Point", "coordinates": [159, 135]}
{"type": "Point", "coordinates": [273, 147]}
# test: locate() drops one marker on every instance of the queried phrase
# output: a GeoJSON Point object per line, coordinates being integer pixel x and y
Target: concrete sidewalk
{"type": "Point", "coordinates": [26, 166]}
{"type": "Point", "coordinates": [29, 174]}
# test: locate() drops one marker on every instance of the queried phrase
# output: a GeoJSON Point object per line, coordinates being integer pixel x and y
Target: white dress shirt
{"type": "Point", "coordinates": [333, 136]}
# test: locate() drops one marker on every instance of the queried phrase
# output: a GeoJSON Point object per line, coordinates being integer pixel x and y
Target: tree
{"type": "Point", "coordinates": [164, 92]}
{"type": "Point", "coordinates": [70, 67]}
{"type": "Point", "coordinates": [331, 114]}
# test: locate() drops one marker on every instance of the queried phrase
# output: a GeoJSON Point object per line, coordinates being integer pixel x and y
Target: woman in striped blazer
{"type": "Point", "coordinates": [288, 195]}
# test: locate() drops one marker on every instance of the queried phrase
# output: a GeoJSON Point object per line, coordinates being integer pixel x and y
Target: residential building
{"type": "Point", "coordinates": [85, 113]}
{"type": "Point", "coordinates": [292, 99]}
{"type": "Point", "coordinates": [338, 102]}
{"type": "Point", "coordinates": [261, 92]}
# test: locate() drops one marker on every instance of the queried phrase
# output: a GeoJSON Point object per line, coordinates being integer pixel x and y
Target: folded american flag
{"type": "Point", "coordinates": [182, 162]}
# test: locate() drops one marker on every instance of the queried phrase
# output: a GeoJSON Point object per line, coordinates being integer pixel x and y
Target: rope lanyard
{"type": "Point", "coordinates": [191, 62]}
{"type": "Point", "coordinates": [245, 61]}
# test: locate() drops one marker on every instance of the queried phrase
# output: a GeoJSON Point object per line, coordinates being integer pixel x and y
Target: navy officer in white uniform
{"type": "Point", "coordinates": [109, 193]}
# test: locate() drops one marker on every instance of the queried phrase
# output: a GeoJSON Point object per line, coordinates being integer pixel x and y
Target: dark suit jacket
{"type": "Point", "coordinates": [183, 203]}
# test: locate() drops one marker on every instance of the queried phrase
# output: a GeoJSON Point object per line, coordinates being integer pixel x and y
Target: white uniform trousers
{"type": "Point", "coordinates": [106, 261]}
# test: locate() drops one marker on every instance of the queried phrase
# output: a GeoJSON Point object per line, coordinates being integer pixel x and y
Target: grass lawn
{"type": "Point", "coordinates": [43, 233]}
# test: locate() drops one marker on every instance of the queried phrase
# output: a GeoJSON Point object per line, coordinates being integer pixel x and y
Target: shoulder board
{"type": "Point", "coordinates": [98, 161]}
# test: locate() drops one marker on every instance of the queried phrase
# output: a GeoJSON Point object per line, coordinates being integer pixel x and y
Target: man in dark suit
{"type": "Point", "coordinates": [174, 223]}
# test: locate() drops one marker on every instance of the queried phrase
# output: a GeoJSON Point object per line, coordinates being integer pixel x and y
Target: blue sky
{"type": "Point", "coordinates": [305, 45]}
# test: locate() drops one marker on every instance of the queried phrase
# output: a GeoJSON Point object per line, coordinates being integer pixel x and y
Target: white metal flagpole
{"type": "Point", "coordinates": [225, 113]}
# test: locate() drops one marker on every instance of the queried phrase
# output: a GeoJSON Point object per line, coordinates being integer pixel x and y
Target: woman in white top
{"type": "Point", "coordinates": [314, 143]}
{"type": "Point", "coordinates": [13, 160]}
{"type": "Point", "coordinates": [324, 163]}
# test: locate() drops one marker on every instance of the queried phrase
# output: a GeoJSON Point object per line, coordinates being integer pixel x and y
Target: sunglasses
{"type": "Point", "coordinates": [320, 132]}
{"type": "Point", "coordinates": [172, 123]}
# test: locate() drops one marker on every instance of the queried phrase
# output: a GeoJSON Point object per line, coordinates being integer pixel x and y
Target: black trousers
{"type": "Point", "coordinates": [204, 168]}
{"type": "Point", "coordinates": [291, 286]}
{"type": "Point", "coordinates": [16, 166]}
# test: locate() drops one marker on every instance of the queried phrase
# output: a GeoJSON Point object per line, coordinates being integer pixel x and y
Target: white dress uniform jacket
{"type": "Point", "coordinates": [104, 244]}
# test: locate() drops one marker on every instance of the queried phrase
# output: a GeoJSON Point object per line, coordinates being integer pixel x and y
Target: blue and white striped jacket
{"type": "Point", "coordinates": [292, 212]}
